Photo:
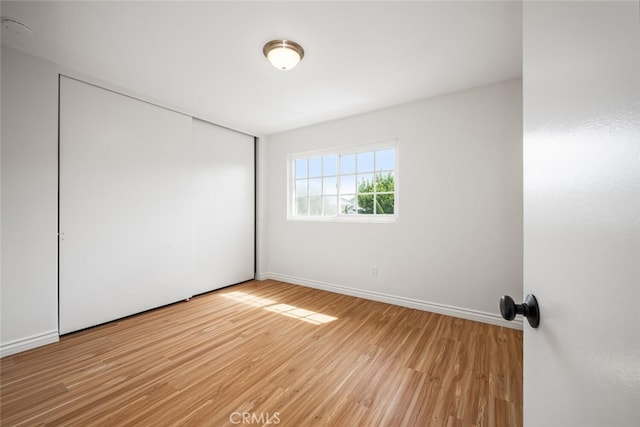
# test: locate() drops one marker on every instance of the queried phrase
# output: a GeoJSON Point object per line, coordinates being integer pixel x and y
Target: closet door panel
{"type": "Point", "coordinates": [125, 206]}
{"type": "Point", "coordinates": [224, 213]}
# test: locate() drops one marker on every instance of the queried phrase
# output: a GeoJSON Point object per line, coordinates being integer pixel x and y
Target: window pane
{"type": "Point", "coordinates": [330, 205]}
{"type": "Point", "coordinates": [328, 183]}
{"type": "Point", "coordinates": [385, 182]}
{"type": "Point", "coordinates": [365, 162]}
{"type": "Point", "coordinates": [347, 184]}
{"type": "Point", "coordinates": [315, 166]}
{"type": "Point", "coordinates": [301, 206]}
{"type": "Point", "coordinates": [385, 159]}
{"type": "Point", "coordinates": [385, 204]}
{"type": "Point", "coordinates": [348, 163]}
{"type": "Point", "coordinates": [301, 187]}
{"type": "Point", "coordinates": [365, 204]}
{"type": "Point", "coordinates": [347, 204]}
{"type": "Point", "coordinates": [301, 168]}
{"type": "Point", "coordinates": [315, 205]}
{"type": "Point", "coordinates": [330, 186]}
{"type": "Point", "coordinates": [365, 183]}
{"type": "Point", "coordinates": [329, 165]}
{"type": "Point", "coordinates": [315, 187]}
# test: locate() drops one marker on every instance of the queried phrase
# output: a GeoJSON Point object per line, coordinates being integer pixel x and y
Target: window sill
{"type": "Point", "coordinates": [391, 219]}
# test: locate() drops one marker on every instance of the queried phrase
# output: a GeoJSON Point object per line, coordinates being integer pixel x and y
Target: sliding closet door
{"type": "Point", "coordinates": [223, 207]}
{"type": "Point", "coordinates": [125, 206]}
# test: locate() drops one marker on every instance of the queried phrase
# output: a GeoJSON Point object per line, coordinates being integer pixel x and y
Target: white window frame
{"type": "Point", "coordinates": [339, 151]}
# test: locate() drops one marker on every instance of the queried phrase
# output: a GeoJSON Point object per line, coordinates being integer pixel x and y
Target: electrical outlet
{"type": "Point", "coordinates": [374, 271]}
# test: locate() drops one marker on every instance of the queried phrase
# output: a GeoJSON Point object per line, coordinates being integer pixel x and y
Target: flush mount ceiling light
{"type": "Point", "coordinates": [16, 26]}
{"type": "Point", "coordinates": [283, 54]}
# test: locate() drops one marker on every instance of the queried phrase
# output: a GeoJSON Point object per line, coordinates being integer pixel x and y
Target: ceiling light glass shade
{"type": "Point", "coordinates": [283, 54]}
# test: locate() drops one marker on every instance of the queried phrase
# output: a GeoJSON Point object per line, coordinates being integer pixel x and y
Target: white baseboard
{"type": "Point", "coordinates": [33, 341]}
{"type": "Point", "coordinates": [262, 276]}
{"type": "Point", "coordinates": [464, 313]}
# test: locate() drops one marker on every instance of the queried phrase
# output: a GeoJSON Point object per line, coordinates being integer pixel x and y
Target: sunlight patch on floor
{"type": "Point", "coordinates": [248, 299]}
{"type": "Point", "coordinates": [308, 316]}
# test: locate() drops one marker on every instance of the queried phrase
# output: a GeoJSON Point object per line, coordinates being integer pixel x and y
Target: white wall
{"type": "Point", "coordinates": [458, 244]}
{"type": "Point", "coordinates": [29, 288]}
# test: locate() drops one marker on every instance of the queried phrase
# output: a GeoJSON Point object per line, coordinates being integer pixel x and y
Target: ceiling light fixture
{"type": "Point", "coordinates": [283, 54]}
{"type": "Point", "coordinates": [16, 27]}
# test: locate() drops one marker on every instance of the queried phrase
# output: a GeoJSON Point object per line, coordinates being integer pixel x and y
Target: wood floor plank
{"type": "Point", "coordinates": [271, 353]}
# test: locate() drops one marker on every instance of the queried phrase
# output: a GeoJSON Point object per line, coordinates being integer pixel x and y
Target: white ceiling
{"type": "Point", "coordinates": [205, 58]}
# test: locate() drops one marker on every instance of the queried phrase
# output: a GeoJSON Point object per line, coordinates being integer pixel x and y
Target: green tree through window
{"type": "Point", "coordinates": [378, 194]}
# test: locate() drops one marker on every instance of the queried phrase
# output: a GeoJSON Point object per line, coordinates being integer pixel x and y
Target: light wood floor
{"type": "Point", "coordinates": [280, 354]}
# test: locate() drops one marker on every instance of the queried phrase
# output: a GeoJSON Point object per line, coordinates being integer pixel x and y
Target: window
{"type": "Point", "coordinates": [352, 183]}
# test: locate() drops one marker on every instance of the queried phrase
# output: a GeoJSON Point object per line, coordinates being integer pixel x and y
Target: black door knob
{"type": "Point", "coordinates": [529, 309]}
